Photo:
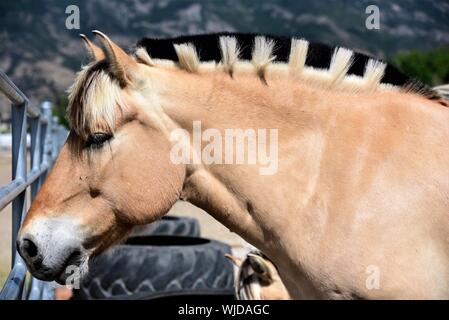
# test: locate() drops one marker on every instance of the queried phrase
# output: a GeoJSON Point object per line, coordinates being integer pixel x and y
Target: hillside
{"type": "Point", "coordinates": [41, 55]}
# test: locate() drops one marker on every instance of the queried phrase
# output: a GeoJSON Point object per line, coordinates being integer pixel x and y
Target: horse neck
{"type": "Point", "coordinates": [237, 195]}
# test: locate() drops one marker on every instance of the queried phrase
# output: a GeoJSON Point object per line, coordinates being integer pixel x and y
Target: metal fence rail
{"type": "Point", "coordinates": [46, 140]}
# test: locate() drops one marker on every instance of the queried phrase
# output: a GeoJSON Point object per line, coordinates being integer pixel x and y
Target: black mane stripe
{"type": "Point", "coordinates": [318, 56]}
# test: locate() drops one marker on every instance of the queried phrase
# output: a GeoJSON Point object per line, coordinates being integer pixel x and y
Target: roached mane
{"type": "Point", "coordinates": [314, 63]}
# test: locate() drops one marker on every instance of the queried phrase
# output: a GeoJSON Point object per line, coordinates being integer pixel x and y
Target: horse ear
{"type": "Point", "coordinates": [95, 52]}
{"type": "Point", "coordinates": [122, 65]}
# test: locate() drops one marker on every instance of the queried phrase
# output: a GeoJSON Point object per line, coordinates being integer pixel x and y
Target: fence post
{"type": "Point", "coordinates": [36, 154]}
{"type": "Point", "coordinates": [19, 168]}
{"type": "Point", "coordinates": [55, 139]}
{"type": "Point", "coordinates": [46, 108]}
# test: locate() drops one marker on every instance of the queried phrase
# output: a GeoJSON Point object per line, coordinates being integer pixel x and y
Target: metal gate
{"type": "Point", "coordinates": [46, 138]}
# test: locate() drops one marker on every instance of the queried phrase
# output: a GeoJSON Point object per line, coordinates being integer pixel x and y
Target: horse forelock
{"type": "Point", "coordinates": [93, 99]}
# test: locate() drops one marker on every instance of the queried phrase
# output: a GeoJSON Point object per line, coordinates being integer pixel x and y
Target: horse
{"type": "Point", "coordinates": [355, 204]}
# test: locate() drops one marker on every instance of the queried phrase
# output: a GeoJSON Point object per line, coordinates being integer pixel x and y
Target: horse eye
{"type": "Point", "coordinates": [96, 140]}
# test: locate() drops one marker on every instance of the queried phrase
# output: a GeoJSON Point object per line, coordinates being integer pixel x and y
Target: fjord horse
{"type": "Point", "coordinates": [358, 206]}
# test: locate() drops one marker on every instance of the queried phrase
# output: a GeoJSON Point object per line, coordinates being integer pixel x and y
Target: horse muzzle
{"type": "Point", "coordinates": [50, 250]}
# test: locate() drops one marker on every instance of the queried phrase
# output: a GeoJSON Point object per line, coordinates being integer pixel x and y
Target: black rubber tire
{"type": "Point", "coordinates": [169, 226]}
{"type": "Point", "coordinates": [155, 266]}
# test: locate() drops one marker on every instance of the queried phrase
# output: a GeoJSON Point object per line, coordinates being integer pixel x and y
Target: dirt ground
{"type": "Point", "coordinates": [5, 218]}
{"type": "Point", "coordinates": [210, 228]}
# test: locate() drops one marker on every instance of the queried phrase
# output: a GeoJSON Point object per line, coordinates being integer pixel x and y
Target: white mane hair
{"type": "Point", "coordinates": [262, 55]}
{"type": "Point", "coordinates": [188, 57]}
{"type": "Point", "coordinates": [298, 55]}
{"type": "Point", "coordinates": [142, 56]}
{"type": "Point", "coordinates": [230, 53]}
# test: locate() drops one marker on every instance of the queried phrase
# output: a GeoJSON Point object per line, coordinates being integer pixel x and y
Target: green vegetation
{"type": "Point", "coordinates": [430, 67]}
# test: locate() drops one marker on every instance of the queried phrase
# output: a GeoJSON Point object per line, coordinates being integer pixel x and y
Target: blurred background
{"type": "Point", "coordinates": [41, 55]}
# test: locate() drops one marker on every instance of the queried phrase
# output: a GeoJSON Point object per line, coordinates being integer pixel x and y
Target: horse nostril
{"type": "Point", "coordinates": [30, 248]}
{"type": "Point", "coordinates": [94, 192]}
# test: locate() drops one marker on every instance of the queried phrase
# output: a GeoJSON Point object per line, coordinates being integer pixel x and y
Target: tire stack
{"type": "Point", "coordinates": [167, 258]}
